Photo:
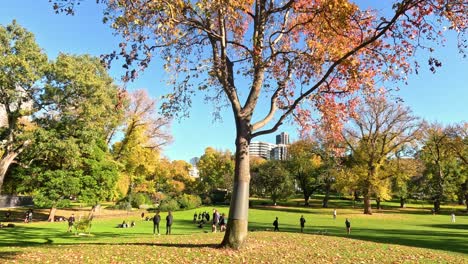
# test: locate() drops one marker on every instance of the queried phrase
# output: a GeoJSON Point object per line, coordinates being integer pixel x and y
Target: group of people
{"type": "Point", "coordinates": [28, 215]}
{"type": "Point", "coordinates": [302, 222]}
{"type": "Point", "coordinates": [217, 220]}
{"type": "Point", "coordinates": [157, 220]}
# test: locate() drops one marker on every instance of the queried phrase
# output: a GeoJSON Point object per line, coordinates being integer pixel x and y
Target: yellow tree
{"type": "Point", "coordinates": [378, 131]}
{"type": "Point", "coordinates": [301, 55]}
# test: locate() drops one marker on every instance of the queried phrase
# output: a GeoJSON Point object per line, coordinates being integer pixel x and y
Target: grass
{"type": "Point", "coordinates": [410, 235]}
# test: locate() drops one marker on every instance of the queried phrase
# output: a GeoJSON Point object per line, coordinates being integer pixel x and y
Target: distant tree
{"type": "Point", "coordinates": [22, 64]}
{"type": "Point", "coordinates": [273, 180]}
{"type": "Point", "coordinates": [290, 52]}
{"type": "Point", "coordinates": [216, 170]}
{"type": "Point", "coordinates": [306, 165]}
{"type": "Point", "coordinates": [443, 174]}
{"type": "Point", "coordinates": [378, 131]}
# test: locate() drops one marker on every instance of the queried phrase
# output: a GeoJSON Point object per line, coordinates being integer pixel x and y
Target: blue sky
{"type": "Point", "coordinates": [441, 97]}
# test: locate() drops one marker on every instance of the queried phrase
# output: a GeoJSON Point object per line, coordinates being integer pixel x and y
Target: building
{"type": "Point", "coordinates": [278, 151]}
{"type": "Point", "coordinates": [261, 149]}
{"type": "Point", "coordinates": [282, 139]}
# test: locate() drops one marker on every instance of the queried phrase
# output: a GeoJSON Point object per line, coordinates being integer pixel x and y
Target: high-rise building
{"type": "Point", "coordinates": [280, 152]}
{"type": "Point", "coordinates": [282, 138]}
{"type": "Point", "coordinates": [260, 149]}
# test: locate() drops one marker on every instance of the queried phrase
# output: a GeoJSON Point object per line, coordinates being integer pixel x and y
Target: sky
{"type": "Point", "coordinates": [440, 97]}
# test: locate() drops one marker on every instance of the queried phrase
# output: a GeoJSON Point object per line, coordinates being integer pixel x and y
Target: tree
{"type": "Point", "coordinates": [22, 64]}
{"type": "Point", "coordinates": [70, 156]}
{"type": "Point", "coordinates": [306, 165]}
{"type": "Point", "coordinates": [319, 52]}
{"type": "Point", "coordinates": [216, 170]}
{"type": "Point", "coordinates": [273, 180]}
{"type": "Point", "coordinates": [458, 134]}
{"type": "Point", "coordinates": [378, 131]}
{"type": "Point", "coordinates": [443, 173]}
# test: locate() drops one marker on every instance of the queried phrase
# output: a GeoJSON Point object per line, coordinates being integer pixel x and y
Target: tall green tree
{"type": "Point", "coordinates": [22, 66]}
{"type": "Point", "coordinates": [443, 174]}
{"type": "Point", "coordinates": [304, 56]}
{"type": "Point", "coordinates": [273, 180]}
{"type": "Point", "coordinates": [70, 156]}
{"type": "Point", "coordinates": [307, 167]}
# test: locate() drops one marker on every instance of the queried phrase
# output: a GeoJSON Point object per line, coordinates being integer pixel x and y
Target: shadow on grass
{"type": "Point", "coordinates": [451, 226]}
{"type": "Point", "coordinates": [8, 255]}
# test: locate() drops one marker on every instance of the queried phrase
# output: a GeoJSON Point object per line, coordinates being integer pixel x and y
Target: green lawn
{"type": "Point", "coordinates": [392, 235]}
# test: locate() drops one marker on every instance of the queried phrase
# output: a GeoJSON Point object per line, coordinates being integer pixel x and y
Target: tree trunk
{"type": "Point", "coordinates": [402, 202]}
{"type": "Point", "coordinates": [7, 159]}
{"type": "Point", "coordinates": [52, 214]}
{"type": "Point", "coordinates": [436, 205]}
{"type": "Point", "coordinates": [367, 204]}
{"type": "Point", "coordinates": [377, 200]}
{"type": "Point", "coordinates": [327, 196]}
{"type": "Point", "coordinates": [306, 199]}
{"type": "Point", "coordinates": [237, 227]}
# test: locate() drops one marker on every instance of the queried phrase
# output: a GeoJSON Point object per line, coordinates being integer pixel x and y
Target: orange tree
{"type": "Point", "coordinates": [307, 57]}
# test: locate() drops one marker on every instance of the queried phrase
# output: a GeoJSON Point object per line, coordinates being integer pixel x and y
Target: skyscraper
{"type": "Point", "coordinates": [282, 139]}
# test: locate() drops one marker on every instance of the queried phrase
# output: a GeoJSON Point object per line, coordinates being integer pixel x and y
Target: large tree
{"type": "Point", "coordinates": [291, 51]}
{"type": "Point", "coordinates": [70, 156]}
{"type": "Point", "coordinates": [444, 173]}
{"type": "Point", "coordinates": [22, 66]}
{"type": "Point", "coordinates": [377, 132]}
{"type": "Point", "coordinates": [306, 164]}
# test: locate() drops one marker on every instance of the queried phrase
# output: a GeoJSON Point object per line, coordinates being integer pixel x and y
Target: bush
{"type": "Point", "coordinates": [123, 205]}
{"type": "Point", "coordinates": [169, 204]}
{"type": "Point", "coordinates": [139, 199]}
{"type": "Point", "coordinates": [188, 201]}
{"type": "Point", "coordinates": [207, 200]}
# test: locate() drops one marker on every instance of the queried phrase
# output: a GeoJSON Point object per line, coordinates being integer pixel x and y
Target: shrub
{"type": "Point", "coordinates": [188, 201]}
{"type": "Point", "coordinates": [169, 204]}
{"type": "Point", "coordinates": [207, 200]}
{"type": "Point", "coordinates": [139, 199]}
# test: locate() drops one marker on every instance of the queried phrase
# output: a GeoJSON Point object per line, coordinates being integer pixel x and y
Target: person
{"type": "Point", "coordinates": [30, 215]}
{"type": "Point", "coordinates": [207, 215]}
{"type": "Point", "coordinates": [26, 216]}
{"type": "Point", "coordinates": [195, 217]}
{"type": "Point", "coordinates": [199, 216]}
{"type": "Point", "coordinates": [133, 224]}
{"type": "Point", "coordinates": [169, 220]}
{"type": "Point", "coordinates": [275, 224]}
{"type": "Point", "coordinates": [142, 215]}
{"type": "Point", "coordinates": [334, 213]}
{"type": "Point", "coordinates": [124, 224]}
{"type": "Point", "coordinates": [215, 220]}
{"type": "Point", "coordinates": [453, 217]}
{"type": "Point", "coordinates": [348, 226]}
{"type": "Point", "coordinates": [156, 220]}
{"type": "Point", "coordinates": [222, 223]}
{"type": "Point", "coordinates": [71, 221]}
{"type": "Point", "coordinates": [302, 220]}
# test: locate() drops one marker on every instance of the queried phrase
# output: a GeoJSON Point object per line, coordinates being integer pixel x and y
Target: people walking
{"type": "Point", "coordinates": [302, 221]}
{"type": "Point", "coordinates": [348, 226]}
{"type": "Point", "coordinates": [276, 224]}
{"type": "Point", "coordinates": [71, 222]}
{"type": "Point", "coordinates": [156, 220]}
{"type": "Point", "coordinates": [169, 220]}
{"type": "Point", "coordinates": [215, 220]}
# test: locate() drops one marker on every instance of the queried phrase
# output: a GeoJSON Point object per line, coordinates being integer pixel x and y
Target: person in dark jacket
{"type": "Point", "coordinates": [275, 224]}
{"type": "Point", "coordinates": [169, 220]}
{"type": "Point", "coordinates": [222, 223]}
{"type": "Point", "coordinates": [302, 220]}
{"type": "Point", "coordinates": [195, 217]}
{"type": "Point", "coordinates": [348, 226]}
{"type": "Point", "coordinates": [156, 220]}
{"type": "Point", "coordinates": [71, 221]}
